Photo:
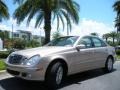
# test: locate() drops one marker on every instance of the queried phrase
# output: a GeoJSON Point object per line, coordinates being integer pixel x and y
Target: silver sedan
{"type": "Point", "coordinates": [61, 57]}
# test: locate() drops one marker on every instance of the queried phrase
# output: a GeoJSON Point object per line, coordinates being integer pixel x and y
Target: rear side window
{"type": "Point", "coordinates": [98, 43]}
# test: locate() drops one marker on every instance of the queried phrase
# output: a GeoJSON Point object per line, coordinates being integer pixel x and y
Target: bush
{"type": "Point", "coordinates": [19, 44]}
{"type": "Point", "coordinates": [33, 44]}
{"type": "Point", "coordinates": [118, 52]}
{"type": "Point", "coordinates": [4, 54]}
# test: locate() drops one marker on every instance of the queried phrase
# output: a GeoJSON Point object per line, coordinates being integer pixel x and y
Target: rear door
{"type": "Point", "coordinates": [100, 52]}
{"type": "Point", "coordinates": [84, 57]}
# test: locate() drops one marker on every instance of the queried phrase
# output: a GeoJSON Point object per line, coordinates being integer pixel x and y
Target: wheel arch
{"type": "Point", "coordinates": [111, 56]}
{"type": "Point", "coordinates": [65, 65]}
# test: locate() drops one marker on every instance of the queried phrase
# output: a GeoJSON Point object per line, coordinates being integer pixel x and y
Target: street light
{"type": "Point", "coordinates": [40, 36]}
{"type": "Point", "coordinates": [13, 21]}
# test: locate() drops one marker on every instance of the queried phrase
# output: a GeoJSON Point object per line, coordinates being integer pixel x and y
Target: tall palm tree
{"type": "Point", "coordinates": [116, 8]}
{"type": "Point", "coordinates": [3, 11]}
{"type": "Point", "coordinates": [47, 10]}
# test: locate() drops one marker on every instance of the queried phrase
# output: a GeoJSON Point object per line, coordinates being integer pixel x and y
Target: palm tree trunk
{"type": "Point", "coordinates": [47, 26]}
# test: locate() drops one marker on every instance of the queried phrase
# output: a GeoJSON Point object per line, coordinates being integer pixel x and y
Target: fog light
{"type": "Point", "coordinates": [24, 74]}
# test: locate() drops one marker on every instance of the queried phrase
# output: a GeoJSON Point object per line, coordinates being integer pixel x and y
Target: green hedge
{"type": "Point", "coordinates": [118, 52]}
{"type": "Point", "coordinates": [4, 54]}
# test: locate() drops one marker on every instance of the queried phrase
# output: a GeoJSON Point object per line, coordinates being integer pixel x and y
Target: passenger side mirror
{"type": "Point", "coordinates": [81, 46]}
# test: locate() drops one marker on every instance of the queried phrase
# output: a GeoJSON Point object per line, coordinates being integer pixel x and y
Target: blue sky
{"type": "Point", "coordinates": [95, 16]}
{"type": "Point", "coordinates": [100, 10]}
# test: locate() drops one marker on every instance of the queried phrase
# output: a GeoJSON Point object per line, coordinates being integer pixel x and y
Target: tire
{"type": "Point", "coordinates": [55, 75]}
{"type": "Point", "coordinates": [108, 65]}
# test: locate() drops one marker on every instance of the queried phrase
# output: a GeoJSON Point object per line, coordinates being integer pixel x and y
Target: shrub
{"type": "Point", "coordinates": [33, 43]}
{"type": "Point", "coordinates": [118, 52]}
{"type": "Point", "coordinates": [19, 44]}
{"type": "Point", "coordinates": [4, 54]}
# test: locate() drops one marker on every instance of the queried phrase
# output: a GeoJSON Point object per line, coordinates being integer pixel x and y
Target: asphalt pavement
{"type": "Point", "coordinates": [90, 80]}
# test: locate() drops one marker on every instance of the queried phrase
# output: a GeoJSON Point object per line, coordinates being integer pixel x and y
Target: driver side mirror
{"type": "Point", "coordinates": [81, 46]}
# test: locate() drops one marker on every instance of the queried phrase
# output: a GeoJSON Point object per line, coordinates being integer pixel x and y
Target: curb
{"type": "Point", "coordinates": [2, 71]}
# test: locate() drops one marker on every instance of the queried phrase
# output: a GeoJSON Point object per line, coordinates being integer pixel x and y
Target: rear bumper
{"type": "Point", "coordinates": [26, 73]}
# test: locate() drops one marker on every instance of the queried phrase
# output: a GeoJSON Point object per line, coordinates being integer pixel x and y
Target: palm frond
{"type": "Point", "coordinates": [3, 11]}
{"type": "Point", "coordinates": [39, 19]}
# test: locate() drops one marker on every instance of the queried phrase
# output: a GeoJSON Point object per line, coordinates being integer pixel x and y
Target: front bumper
{"type": "Point", "coordinates": [28, 73]}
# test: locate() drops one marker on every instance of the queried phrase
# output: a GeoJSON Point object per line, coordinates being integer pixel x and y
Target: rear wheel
{"type": "Point", "coordinates": [55, 75]}
{"type": "Point", "coordinates": [109, 65]}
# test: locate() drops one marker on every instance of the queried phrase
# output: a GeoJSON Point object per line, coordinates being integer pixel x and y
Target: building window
{"type": "Point", "coordinates": [16, 35]}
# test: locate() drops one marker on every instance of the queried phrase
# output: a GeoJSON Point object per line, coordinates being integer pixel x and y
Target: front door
{"type": "Point", "coordinates": [84, 57]}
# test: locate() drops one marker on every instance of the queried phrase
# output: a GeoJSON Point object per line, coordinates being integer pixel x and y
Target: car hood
{"type": "Point", "coordinates": [42, 51]}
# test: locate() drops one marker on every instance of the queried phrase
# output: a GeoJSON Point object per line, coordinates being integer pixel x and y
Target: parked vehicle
{"type": "Point", "coordinates": [61, 57]}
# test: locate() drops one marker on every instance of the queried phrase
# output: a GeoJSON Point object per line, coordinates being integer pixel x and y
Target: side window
{"type": "Point", "coordinates": [86, 41]}
{"type": "Point", "coordinates": [97, 42]}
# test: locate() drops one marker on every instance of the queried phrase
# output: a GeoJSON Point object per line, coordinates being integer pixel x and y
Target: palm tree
{"type": "Point", "coordinates": [106, 36]}
{"type": "Point", "coordinates": [56, 35]}
{"type": "Point", "coordinates": [47, 11]}
{"type": "Point", "coordinates": [116, 7]}
{"type": "Point", "coordinates": [3, 11]}
{"type": "Point", "coordinates": [113, 35]}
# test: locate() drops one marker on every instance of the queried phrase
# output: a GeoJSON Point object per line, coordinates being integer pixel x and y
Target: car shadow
{"type": "Point", "coordinates": [80, 77]}
{"type": "Point", "coordinates": [19, 84]}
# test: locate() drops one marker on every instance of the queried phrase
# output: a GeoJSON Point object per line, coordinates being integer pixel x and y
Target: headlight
{"type": "Point", "coordinates": [32, 61]}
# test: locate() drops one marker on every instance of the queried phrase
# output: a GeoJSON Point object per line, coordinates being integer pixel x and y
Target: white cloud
{"type": "Point", "coordinates": [85, 27]}
{"type": "Point", "coordinates": [4, 27]}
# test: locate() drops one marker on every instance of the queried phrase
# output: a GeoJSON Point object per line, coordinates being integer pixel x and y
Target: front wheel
{"type": "Point", "coordinates": [109, 65]}
{"type": "Point", "coordinates": [55, 75]}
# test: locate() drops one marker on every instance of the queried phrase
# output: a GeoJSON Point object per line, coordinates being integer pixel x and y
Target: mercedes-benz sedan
{"type": "Point", "coordinates": [61, 57]}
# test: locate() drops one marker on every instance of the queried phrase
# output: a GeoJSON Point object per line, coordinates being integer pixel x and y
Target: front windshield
{"type": "Point", "coordinates": [63, 41]}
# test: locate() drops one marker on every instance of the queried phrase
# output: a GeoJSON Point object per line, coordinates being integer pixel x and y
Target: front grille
{"type": "Point", "coordinates": [16, 59]}
{"type": "Point", "coordinates": [13, 72]}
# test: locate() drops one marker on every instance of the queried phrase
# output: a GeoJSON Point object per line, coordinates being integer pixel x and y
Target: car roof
{"type": "Point", "coordinates": [79, 37]}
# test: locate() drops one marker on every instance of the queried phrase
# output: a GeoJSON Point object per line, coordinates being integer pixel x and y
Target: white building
{"type": "Point", "coordinates": [25, 35]}
{"type": "Point", "coordinates": [1, 44]}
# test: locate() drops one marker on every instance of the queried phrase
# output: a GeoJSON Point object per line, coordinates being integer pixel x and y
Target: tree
{"type": "Point", "coordinates": [3, 11]}
{"type": "Point", "coordinates": [113, 35]}
{"type": "Point", "coordinates": [116, 8]}
{"type": "Point", "coordinates": [56, 34]}
{"type": "Point", "coordinates": [106, 36]}
{"type": "Point", "coordinates": [47, 11]}
{"type": "Point", "coordinates": [4, 35]}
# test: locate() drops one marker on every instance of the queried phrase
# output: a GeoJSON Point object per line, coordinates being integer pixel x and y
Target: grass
{"type": "Point", "coordinates": [2, 65]}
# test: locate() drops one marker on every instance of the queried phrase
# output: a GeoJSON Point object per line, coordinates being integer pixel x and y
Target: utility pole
{"type": "Point", "coordinates": [12, 36]}
{"type": "Point", "coordinates": [40, 37]}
